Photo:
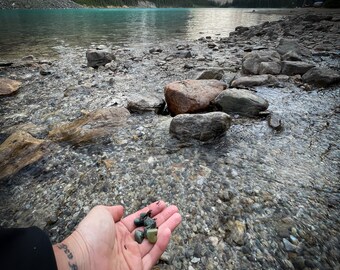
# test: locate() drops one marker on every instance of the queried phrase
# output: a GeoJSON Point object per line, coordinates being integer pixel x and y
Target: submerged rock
{"type": "Point", "coordinates": [91, 126]}
{"type": "Point", "coordinates": [201, 127]}
{"type": "Point", "coordinates": [240, 101]}
{"type": "Point", "coordinates": [321, 76]}
{"type": "Point", "coordinates": [190, 96]}
{"type": "Point", "coordinates": [257, 80]}
{"type": "Point", "coordinates": [8, 86]}
{"type": "Point", "coordinates": [19, 150]}
{"type": "Point", "coordinates": [99, 57]}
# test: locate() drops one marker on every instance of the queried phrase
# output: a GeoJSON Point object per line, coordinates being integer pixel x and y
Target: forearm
{"type": "Point", "coordinates": [70, 255]}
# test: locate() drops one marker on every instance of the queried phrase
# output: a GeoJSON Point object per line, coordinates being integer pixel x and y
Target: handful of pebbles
{"type": "Point", "coordinates": [150, 230]}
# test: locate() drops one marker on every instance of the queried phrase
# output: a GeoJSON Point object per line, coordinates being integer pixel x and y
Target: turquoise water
{"type": "Point", "coordinates": [40, 30]}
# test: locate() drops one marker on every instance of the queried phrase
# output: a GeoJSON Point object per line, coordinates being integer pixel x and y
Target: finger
{"type": "Point", "coordinates": [165, 214]}
{"type": "Point", "coordinates": [116, 212]}
{"type": "Point", "coordinates": [155, 208]}
{"type": "Point", "coordinates": [151, 258]}
{"type": "Point", "coordinates": [171, 223]}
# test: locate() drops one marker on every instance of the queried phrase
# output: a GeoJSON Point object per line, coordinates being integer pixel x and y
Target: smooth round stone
{"type": "Point", "coordinates": [151, 235]}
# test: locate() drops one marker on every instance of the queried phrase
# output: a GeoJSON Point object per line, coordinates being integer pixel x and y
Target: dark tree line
{"type": "Point", "coordinates": [210, 3]}
{"type": "Point", "coordinates": [266, 3]}
{"type": "Point", "coordinates": [158, 3]}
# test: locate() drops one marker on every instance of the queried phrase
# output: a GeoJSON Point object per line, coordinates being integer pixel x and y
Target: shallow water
{"type": "Point", "coordinates": [24, 32]}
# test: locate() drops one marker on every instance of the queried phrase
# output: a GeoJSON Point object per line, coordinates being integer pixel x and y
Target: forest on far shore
{"type": "Point", "coordinates": [211, 3]}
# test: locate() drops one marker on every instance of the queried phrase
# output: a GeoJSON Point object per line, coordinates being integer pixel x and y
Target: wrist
{"type": "Point", "coordinates": [70, 254]}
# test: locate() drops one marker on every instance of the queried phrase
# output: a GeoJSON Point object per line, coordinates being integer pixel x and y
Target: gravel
{"type": "Point", "coordinates": [253, 199]}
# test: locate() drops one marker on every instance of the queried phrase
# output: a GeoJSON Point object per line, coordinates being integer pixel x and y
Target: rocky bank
{"type": "Point", "coordinates": [257, 189]}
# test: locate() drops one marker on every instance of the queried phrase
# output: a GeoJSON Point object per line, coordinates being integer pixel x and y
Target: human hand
{"type": "Point", "coordinates": [103, 240]}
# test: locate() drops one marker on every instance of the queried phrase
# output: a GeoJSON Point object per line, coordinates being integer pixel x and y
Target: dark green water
{"type": "Point", "coordinates": [31, 31]}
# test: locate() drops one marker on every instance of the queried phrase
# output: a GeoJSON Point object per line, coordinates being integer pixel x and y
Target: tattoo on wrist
{"type": "Point", "coordinates": [69, 255]}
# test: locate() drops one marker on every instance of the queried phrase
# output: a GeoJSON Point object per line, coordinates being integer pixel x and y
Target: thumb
{"type": "Point", "coordinates": [116, 212]}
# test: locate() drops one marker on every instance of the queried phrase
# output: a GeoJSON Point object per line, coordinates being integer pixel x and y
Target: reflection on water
{"type": "Point", "coordinates": [25, 31]}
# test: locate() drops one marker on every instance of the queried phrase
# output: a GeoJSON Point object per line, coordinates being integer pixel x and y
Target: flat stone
{"type": "Point", "coordinates": [19, 150]}
{"type": "Point", "coordinates": [239, 101]}
{"type": "Point", "coordinates": [257, 80]}
{"type": "Point", "coordinates": [201, 127]}
{"type": "Point", "coordinates": [191, 96]}
{"type": "Point", "coordinates": [295, 67]}
{"type": "Point", "coordinates": [138, 103]}
{"type": "Point", "coordinates": [8, 86]}
{"type": "Point", "coordinates": [211, 74]}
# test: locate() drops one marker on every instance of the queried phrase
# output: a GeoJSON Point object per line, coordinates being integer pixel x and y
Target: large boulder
{"type": "Point", "coordinates": [99, 56]}
{"type": "Point", "coordinates": [19, 150]}
{"type": "Point", "coordinates": [201, 127]}
{"type": "Point", "coordinates": [252, 61]}
{"type": "Point", "coordinates": [8, 86]}
{"type": "Point", "coordinates": [295, 67]}
{"type": "Point", "coordinates": [293, 46]}
{"type": "Point", "coordinates": [191, 96]}
{"type": "Point", "coordinates": [91, 126]}
{"type": "Point", "coordinates": [240, 101]}
{"type": "Point", "coordinates": [139, 103]}
{"type": "Point", "coordinates": [321, 76]}
{"type": "Point", "coordinates": [257, 80]}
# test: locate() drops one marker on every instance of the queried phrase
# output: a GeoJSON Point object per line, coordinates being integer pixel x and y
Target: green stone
{"type": "Point", "coordinates": [151, 235]}
{"type": "Point", "coordinates": [139, 236]}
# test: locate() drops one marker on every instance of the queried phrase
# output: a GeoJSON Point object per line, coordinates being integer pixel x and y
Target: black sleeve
{"type": "Point", "coordinates": [28, 248]}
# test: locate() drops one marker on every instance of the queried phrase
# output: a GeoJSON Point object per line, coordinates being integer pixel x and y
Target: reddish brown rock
{"type": "Point", "coordinates": [8, 87]}
{"type": "Point", "coordinates": [19, 150]}
{"type": "Point", "coordinates": [191, 96]}
{"type": "Point", "coordinates": [91, 126]}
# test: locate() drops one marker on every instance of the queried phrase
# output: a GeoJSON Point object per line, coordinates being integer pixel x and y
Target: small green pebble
{"type": "Point", "coordinates": [138, 222]}
{"type": "Point", "coordinates": [139, 236]}
{"type": "Point", "coordinates": [151, 235]}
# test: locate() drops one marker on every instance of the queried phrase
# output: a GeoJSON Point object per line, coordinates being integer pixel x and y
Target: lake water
{"type": "Point", "coordinates": [38, 31]}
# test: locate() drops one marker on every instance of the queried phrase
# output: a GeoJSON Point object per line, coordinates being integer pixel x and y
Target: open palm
{"type": "Point", "coordinates": [103, 240]}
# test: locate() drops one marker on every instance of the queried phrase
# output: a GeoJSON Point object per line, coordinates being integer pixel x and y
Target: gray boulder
{"type": "Point", "coordinates": [321, 76]}
{"type": "Point", "coordinates": [293, 46]}
{"type": "Point", "coordinates": [211, 74]}
{"type": "Point", "coordinates": [257, 80]}
{"type": "Point", "coordinates": [201, 127]}
{"type": "Point", "coordinates": [138, 103]}
{"type": "Point", "coordinates": [295, 67]}
{"type": "Point", "coordinates": [291, 56]}
{"type": "Point", "coordinates": [270, 68]}
{"type": "Point", "coordinates": [99, 57]}
{"type": "Point", "coordinates": [239, 101]}
{"type": "Point", "coordinates": [251, 61]}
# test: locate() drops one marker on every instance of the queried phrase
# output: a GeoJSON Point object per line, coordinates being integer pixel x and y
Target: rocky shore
{"type": "Point", "coordinates": [246, 146]}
